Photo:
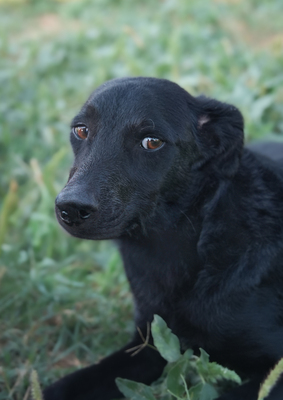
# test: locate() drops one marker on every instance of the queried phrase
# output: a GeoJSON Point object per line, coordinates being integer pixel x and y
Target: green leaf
{"type": "Point", "coordinates": [224, 373]}
{"type": "Point", "coordinates": [186, 388]}
{"type": "Point", "coordinates": [188, 354]}
{"type": "Point", "coordinates": [202, 391]}
{"type": "Point", "coordinates": [134, 390]}
{"type": "Point", "coordinates": [166, 342]}
{"type": "Point", "coordinates": [175, 384]}
{"type": "Point", "coordinates": [259, 106]}
{"type": "Point", "coordinates": [194, 391]}
{"type": "Point", "coordinates": [212, 372]}
{"type": "Point", "coordinates": [204, 357]}
{"type": "Point", "coordinates": [208, 392]}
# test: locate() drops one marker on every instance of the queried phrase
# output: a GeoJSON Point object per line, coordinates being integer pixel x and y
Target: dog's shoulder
{"type": "Point", "coordinates": [243, 225]}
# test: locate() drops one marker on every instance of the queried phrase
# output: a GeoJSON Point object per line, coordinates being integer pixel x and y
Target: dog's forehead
{"type": "Point", "coordinates": [133, 98]}
{"type": "Point", "coordinates": [136, 95]}
{"type": "Point", "coordinates": [131, 101]}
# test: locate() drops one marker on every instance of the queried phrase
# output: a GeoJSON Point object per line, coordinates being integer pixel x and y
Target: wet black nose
{"type": "Point", "coordinates": [72, 210]}
{"type": "Point", "coordinates": [72, 214]}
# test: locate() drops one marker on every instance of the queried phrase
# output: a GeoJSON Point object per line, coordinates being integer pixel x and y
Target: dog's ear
{"type": "Point", "coordinates": [219, 134]}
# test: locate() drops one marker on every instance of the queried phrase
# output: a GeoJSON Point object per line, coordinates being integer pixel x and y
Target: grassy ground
{"type": "Point", "coordinates": [64, 303]}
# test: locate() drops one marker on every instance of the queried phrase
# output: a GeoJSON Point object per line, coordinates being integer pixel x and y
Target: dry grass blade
{"type": "Point", "coordinates": [271, 380]}
{"type": "Point", "coordinates": [35, 386]}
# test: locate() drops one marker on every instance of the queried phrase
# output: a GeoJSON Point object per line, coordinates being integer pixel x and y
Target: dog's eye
{"type": "Point", "coordinates": [149, 143]}
{"type": "Point", "coordinates": [80, 131]}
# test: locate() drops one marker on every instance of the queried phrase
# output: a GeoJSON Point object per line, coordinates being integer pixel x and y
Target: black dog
{"type": "Point", "coordinates": [199, 223]}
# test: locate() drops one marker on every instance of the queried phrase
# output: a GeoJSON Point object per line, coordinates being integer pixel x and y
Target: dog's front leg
{"type": "Point", "coordinates": [97, 382]}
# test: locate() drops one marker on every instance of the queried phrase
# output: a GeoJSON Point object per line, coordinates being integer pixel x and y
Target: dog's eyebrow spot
{"type": "Point", "coordinates": [89, 113]}
{"type": "Point", "coordinates": [77, 120]}
{"type": "Point", "coordinates": [146, 124]}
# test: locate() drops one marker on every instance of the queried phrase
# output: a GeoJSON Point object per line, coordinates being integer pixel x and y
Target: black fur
{"type": "Point", "coordinates": [199, 223]}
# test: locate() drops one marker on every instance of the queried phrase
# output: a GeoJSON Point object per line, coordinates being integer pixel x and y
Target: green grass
{"type": "Point", "coordinates": [65, 303]}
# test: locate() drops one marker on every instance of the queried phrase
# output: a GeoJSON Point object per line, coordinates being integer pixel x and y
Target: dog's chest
{"type": "Point", "coordinates": [162, 273]}
{"type": "Point", "coordinates": [168, 279]}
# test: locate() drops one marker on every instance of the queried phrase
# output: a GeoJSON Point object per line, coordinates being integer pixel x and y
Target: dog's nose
{"type": "Point", "coordinates": [73, 211]}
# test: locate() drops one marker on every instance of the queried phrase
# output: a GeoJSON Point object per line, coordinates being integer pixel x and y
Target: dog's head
{"type": "Point", "coordinates": [138, 143]}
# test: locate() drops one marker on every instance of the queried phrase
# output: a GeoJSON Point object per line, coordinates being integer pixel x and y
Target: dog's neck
{"type": "Point", "coordinates": [198, 238]}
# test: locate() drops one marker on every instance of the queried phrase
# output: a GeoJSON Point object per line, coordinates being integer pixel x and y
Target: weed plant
{"type": "Point", "coordinates": [65, 303]}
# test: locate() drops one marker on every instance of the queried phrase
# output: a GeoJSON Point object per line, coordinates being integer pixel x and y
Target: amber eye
{"type": "Point", "coordinates": [80, 131]}
{"type": "Point", "coordinates": [149, 143]}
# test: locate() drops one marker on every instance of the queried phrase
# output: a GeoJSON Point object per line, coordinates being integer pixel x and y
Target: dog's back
{"type": "Point", "coordinates": [273, 150]}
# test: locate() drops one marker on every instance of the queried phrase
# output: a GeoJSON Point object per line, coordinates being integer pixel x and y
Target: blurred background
{"type": "Point", "coordinates": [65, 303]}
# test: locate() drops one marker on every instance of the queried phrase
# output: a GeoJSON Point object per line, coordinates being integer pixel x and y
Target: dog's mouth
{"type": "Point", "coordinates": [95, 226]}
{"type": "Point", "coordinates": [83, 217]}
